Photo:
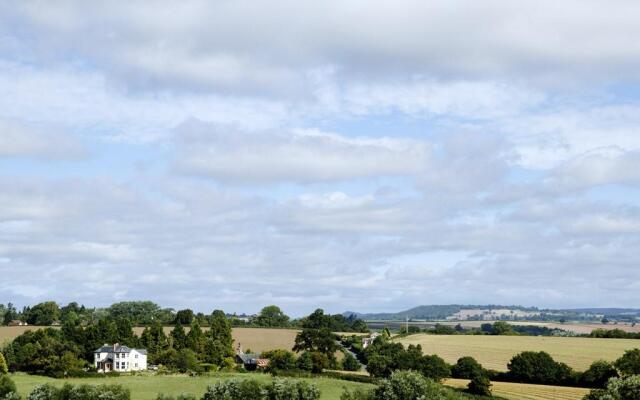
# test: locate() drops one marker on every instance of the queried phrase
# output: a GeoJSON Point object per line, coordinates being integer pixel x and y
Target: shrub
{"type": "Point", "coordinates": [409, 385]}
{"type": "Point", "coordinates": [4, 369]}
{"type": "Point", "coordinates": [350, 363]}
{"type": "Point", "coordinates": [6, 386]}
{"type": "Point", "coordinates": [618, 389]}
{"type": "Point", "coordinates": [182, 396]}
{"type": "Point", "coordinates": [480, 384]}
{"type": "Point", "coordinates": [466, 368]}
{"type": "Point", "coordinates": [434, 367]}
{"type": "Point", "coordinates": [279, 359]}
{"type": "Point", "coordinates": [305, 362]}
{"type": "Point", "coordinates": [538, 367]}
{"type": "Point", "coordinates": [235, 389]}
{"type": "Point", "coordinates": [44, 392]}
{"type": "Point", "coordinates": [629, 363]}
{"type": "Point", "coordinates": [357, 394]}
{"type": "Point", "coordinates": [598, 374]}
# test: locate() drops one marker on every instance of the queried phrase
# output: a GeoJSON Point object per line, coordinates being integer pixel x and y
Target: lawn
{"type": "Point", "coordinates": [147, 387]}
{"type": "Point", "coordinates": [523, 391]}
{"type": "Point", "coordinates": [494, 352]}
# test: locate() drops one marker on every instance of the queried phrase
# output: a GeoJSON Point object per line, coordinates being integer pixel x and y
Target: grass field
{"type": "Point", "coordinates": [521, 391]}
{"type": "Point", "coordinates": [148, 387]}
{"type": "Point", "coordinates": [494, 352]}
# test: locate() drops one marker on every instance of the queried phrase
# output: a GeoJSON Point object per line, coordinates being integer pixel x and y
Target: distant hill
{"type": "Point", "coordinates": [431, 312]}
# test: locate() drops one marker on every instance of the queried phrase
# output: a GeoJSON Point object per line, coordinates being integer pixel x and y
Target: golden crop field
{"type": "Point", "coordinates": [524, 391]}
{"type": "Point", "coordinates": [494, 352]}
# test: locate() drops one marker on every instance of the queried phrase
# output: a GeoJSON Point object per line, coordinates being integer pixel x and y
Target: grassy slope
{"type": "Point", "coordinates": [518, 391]}
{"type": "Point", "coordinates": [148, 387]}
{"type": "Point", "coordinates": [494, 352]}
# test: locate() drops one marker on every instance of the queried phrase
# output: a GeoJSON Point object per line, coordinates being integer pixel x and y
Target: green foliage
{"type": "Point", "coordinates": [629, 363]}
{"type": "Point", "coordinates": [480, 384]}
{"type": "Point", "coordinates": [272, 316]}
{"type": "Point", "coordinates": [178, 337]}
{"type": "Point", "coordinates": [349, 363]}
{"type": "Point", "coordinates": [138, 312]}
{"type": "Point", "coordinates": [305, 361]}
{"type": "Point", "coordinates": [434, 367]}
{"type": "Point", "coordinates": [4, 369]}
{"type": "Point", "coordinates": [598, 374]}
{"type": "Point", "coordinates": [334, 323]}
{"type": "Point", "coordinates": [184, 317]}
{"type": "Point", "coordinates": [218, 342]}
{"type": "Point", "coordinates": [320, 340]}
{"type": "Point", "coordinates": [440, 329]}
{"type": "Point", "coordinates": [409, 385]}
{"type": "Point", "coordinates": [280, 360]}
{"type": "Point", "coordinates": [6, 386]}
{"type": "Point", "coordinates": [466, 368]}
{"type": "Point", "coordinates": [538, 367]}
{"type": "Point", "coordinates": [81, 392]}
{"type": "Point", "coordinates": [43, 314]}
{"type": "Point", "coordinates": [279, 389]}
{"type": "Point", "coordinates": [154, 340]}
{"type": "Point", "coordinates": [618, 389]}
{"type": "Point", "coordinates": [357, 394]}
{"type": "Point", "coordinates": [182, 396]}
{"type": "Point", "coordinates": [384, 357]}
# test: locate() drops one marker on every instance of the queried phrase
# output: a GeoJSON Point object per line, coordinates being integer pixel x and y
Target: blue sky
{"type": "Point", "coordinates": [366, 156]}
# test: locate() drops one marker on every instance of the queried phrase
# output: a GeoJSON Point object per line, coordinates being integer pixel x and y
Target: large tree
{"type": "Point", "coordinates": [272, 316]}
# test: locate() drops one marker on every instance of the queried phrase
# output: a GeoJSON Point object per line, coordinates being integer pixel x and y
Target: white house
{"type": "Point", "coordinates": [368, 341]}
{"type": "Point", "coordinates": [119, 358]}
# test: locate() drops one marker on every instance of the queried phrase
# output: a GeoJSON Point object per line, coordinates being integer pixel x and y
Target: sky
{"type": "Point", "coordinates": [363, 155]}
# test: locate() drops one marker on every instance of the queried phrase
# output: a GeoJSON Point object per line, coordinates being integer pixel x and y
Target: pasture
{"type": "Point", "coordinates": [523, 391]}
{"type": "Point", "coordinates": [494, 352]}
{"type": "Point", "coordinates": [147, 387]}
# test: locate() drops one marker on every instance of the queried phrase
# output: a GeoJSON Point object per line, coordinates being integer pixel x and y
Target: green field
{"type": "Point", "coordinates": [147, 387]}
{"type": "Point", "coordinates": [494, 352]}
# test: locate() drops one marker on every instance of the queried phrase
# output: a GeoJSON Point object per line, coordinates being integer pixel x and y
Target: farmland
{"type": "Point", "coordinates": [494, 352]}
{"type": "Point", "coordinates": [521, 391]}
{"type": "Point", "coordinates": [147, 387]}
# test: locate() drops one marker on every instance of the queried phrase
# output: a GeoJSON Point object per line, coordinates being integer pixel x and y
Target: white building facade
{"type": "Point", "coordinates": [119, 358]}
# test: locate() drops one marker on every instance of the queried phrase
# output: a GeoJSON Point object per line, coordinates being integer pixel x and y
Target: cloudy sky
{"type": "Point", "coordinates": [358, 155]}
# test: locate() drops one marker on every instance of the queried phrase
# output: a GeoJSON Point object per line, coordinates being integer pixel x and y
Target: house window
{"type": "Point", "coordinates": [117, 365]}
{"type": "Point", "coordinates": [136, 356]}
{"type": "Point", "coordinates": [136, 365]}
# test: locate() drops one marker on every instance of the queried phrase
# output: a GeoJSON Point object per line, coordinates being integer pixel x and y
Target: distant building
{"type": "Point", "coordinates": [119, 358]}
{"type": "Point", "coordinates": [17, 322]}
{"type": "Point", "coordinates": [368, 341]}
{"type": "Point", "coordinates": [251, 362]}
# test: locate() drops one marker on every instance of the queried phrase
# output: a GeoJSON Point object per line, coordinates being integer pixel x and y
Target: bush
{"type": "Point", "coordinates": [282, 389]}
{"type": "Point", "coordinates": [434, 367]}
{"type": "Point", "coordinates": [598, 374]}
{"type": "Point", "coordinates": [629, 363]}
{"type": "Point", "coordinates": [409, 385]}
{"type": "Point", "coordinates": [182, 396]}
{"type": "Point", "coordinates": [357, 394]}
{"type": "Point", "coordinates": [282, 360]}
{"type": "Point", "coordinates": [350, 363]}
{"type": "Point", "coordinates": [480, 384]}
{"type": "Point", "coordinates": [4, 369]}
{"type": "Point", "coordinates": [6, 386]}
{"type": "Point", "coordinates": [81, 392]}
{"type": "Point", "coordinates": [279, 389]}
{"type": "Point", "coordinates": [538, 367]}
{"type": "Point", "coordinates": [618, 389]}
{"type": "Point", "coordinates": [305, 362]}
{"type": "Point", "coordinates": [466, 368]}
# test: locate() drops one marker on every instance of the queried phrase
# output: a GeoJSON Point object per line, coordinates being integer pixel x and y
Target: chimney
{"type": "Point", "coordinates": [239, 350]}
{"type": "Point", "coordinates": [115, 346]}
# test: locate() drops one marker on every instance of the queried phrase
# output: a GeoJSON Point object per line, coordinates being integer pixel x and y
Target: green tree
{"type": "Point", "coordinates": [43, 314]}
{"type": "Point", "coordinates": [10, 314]}
{"type": "Point", "coordinates": [409, 385]}
{"type": "Point", "coordinates": [466, 368]}
{"type": "Point", "coordinates": [629, 363]}
{"type": "Point", "coordinates": [272, 316]}
{"type": "Point", "coordinates": [6, 386]}
{"type": "Point", "coordinates": [196, 338]}
{"type": "Point", "coordinates": [598, 374]}
{"type": "Point", "coordinates": [187, 360]}
{"type": "Point", "coordinates": [538, 367]}
{"type": "Point", "coordinates": [154, 340]}
{"type": "Point", "coordinates": [280, 360]}
{"type": "Point", "coordinates": [350, 363]}
{"type": "Point", "coordinates": [305, 361]}
{"type": "Point", "coordinates": [317, 340]}
{"type": "Point", "coordinates": [618, 389]}
{"type": "Point", "coordinates": [184, 317]}
{"type": "Point", "coordinates": [218, 343]}
{"type": "Point", "coordinates": [480, 384]}
{"type": "Point", "coordinates": [434, 367]}
{"type": "Point", "coordinates": [4, 369]}
{"type": "Point", "coordinates": [179, 337]}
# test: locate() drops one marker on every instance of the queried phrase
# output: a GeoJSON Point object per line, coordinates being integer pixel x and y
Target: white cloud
{"type": "Point", "coordinates": [20, 140]}
{"type": "Point", "coordinates": [223, 153]}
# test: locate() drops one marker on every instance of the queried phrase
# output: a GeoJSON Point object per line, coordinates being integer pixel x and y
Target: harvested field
{"type": "Point", "coordinates": [494, 352]}
{"type": "Point", "coordinates": [523, 391]}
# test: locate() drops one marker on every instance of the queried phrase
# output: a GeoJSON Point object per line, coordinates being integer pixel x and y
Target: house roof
{"type": "Point", "coordinates": [118, 349]}
{"type": "Point", "coordinates": [249, 358]}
